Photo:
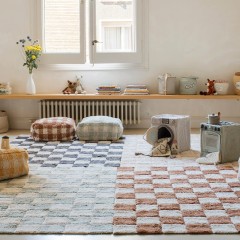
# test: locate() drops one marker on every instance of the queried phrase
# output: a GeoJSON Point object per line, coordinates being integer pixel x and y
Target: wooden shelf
{"type": "Point", "coordinates": [115, 97]}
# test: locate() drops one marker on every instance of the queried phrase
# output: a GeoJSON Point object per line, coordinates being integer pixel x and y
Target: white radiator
{"type": "Point", "coordinates": [126, 110]}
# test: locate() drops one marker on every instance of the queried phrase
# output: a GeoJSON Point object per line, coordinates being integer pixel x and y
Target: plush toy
{"type": "Point", "coordinates": [71, 88]}
{"type": "Point", "coordinates": [79, 87]}
{"type": "Point", "coordinates": [210, 88]}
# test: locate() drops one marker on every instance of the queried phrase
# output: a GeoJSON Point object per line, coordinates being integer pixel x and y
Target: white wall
{"type": "Point", "coordinates": [186, 37]}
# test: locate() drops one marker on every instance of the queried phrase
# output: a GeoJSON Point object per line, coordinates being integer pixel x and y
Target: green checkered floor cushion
{"type": "Point", "coordinates": [97, 128]}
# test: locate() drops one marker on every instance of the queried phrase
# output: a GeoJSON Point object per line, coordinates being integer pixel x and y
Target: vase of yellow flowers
{"type": "Point", "coordinates": [31, 51]}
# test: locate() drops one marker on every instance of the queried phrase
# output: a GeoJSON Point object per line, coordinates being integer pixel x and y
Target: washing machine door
{"type": "Point", "coordinates": [151, 135]}
{"type": "Point", "coordinates": [210, 142]}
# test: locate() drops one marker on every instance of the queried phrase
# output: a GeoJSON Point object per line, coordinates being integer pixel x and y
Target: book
{"type": "Point", "coordinates": [135, 90]}
{"type": "Point", "coordinates": [136, 86]}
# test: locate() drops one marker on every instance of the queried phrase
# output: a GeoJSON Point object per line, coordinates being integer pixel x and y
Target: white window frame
{"type": "Point", "coordinates": [63, 58]}
{"type": "Point", "coordinates": [98, 61]}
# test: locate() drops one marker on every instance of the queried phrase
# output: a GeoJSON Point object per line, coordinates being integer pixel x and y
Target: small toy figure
{"type": "Point", "coordinates": [71, 88]}
{"type": "Point", "coordinates": [79, 87]}
{"type": "Point", "coordinates": [210, 88]}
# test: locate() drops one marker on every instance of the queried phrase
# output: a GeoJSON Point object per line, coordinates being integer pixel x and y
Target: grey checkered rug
{"type": "Point", "coordinates": [74, 154]}
{"type": "Point", "coordinates": [70, 188]}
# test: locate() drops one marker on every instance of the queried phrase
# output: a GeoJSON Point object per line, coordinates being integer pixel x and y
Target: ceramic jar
{"type": "Point", "coordinates": [236, 83]}
{"type": "Point", "coordinates": [221, 87]}
{"type": "Point", "coordinates": [188, 85]}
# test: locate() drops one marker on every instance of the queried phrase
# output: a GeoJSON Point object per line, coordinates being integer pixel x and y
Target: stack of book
{"type": "Point", "coordinates": [108, 90]}
{"type": "Point", "coordinates": [136, 90]}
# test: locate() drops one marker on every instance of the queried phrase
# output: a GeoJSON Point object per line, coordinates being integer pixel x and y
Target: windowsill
{"type": "Point", "coordinates": [93, 67]}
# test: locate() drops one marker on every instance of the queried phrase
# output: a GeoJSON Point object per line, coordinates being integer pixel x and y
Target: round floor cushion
{"type": "Point", "coordinates": [53, 129]}
{"type": "Point", "coordinates": [99, 128]}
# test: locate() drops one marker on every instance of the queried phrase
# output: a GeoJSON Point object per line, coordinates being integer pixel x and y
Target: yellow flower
{"type": "Point", "coordinates": [38, 47]}
{"type": "Point", "coordinates": [33, 57]}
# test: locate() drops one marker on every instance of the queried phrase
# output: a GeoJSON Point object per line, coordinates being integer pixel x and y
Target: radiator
{"type": "Point", "coordinates": [126, 110]}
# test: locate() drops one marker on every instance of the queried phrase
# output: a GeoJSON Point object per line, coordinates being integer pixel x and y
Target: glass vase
{"type": "Point", "coordinates": [30, 87]}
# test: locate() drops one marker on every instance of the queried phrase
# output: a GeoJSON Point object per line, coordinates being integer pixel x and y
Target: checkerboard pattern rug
{"type": "Point", "coordinates": [73, 153]}
{"type": "Point", "coordinates": [177, 199]}
{"type": "Point", "coordinates": [143, 195]}
{"type": "Point", "coordinates": [70, 189]}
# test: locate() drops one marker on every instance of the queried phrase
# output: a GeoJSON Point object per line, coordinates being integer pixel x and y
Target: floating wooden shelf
{"type": "Point", "coordinates": [115, 97]}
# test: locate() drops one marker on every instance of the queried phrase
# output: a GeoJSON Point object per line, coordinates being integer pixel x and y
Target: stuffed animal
{"type": "Point", "coordinates": [210, 88]}
{"type": "Point", "coordinates": [71, 88]}
{"type": "Point", "coordinates": [79, 87]}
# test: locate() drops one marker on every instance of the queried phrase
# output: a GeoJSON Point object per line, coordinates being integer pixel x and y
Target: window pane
{"type": "Point", "coordinates": [115, 25]}
{"type": "Point", "coordinates": [61, 28]}
{"type": "Point", "coordinates": [112, 38]}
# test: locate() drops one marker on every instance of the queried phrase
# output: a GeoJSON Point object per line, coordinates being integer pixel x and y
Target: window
{"type": "Point", "coordinates": [117, 36]}
{"type": "Point", "coordinates": [61, 26]}
{"type": "Point", "coordinates": [92, 31]}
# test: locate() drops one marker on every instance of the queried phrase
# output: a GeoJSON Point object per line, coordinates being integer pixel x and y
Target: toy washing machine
{"type": "Point", "coordinates": [174, 127]}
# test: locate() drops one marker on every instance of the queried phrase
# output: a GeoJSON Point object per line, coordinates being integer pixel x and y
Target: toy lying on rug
{"type": "Point", "coordinates": [162, 147]}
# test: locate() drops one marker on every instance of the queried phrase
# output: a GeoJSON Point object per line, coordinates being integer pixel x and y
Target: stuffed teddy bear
{"type": "Point", "coordinates": [71, 88]}
{"type": "Point", "coordinates": [210, 88]}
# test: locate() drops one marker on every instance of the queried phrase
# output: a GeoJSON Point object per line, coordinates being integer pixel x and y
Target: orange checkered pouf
{"type": "Point", "coordinates": [53, 129]}
{"type": "Point", "coordinates": [13, 163]}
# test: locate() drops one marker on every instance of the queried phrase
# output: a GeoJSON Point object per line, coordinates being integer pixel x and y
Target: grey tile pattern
{"type": "Point", "coordinates": [75, 153]}
{"type": "Point", "coordinates": [70, 188]}
{"type": "Point", "coordinates": [63, 199]}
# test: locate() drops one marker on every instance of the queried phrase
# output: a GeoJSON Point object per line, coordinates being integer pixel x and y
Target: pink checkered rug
{"type": "Point", "coordinates": [176, 199]}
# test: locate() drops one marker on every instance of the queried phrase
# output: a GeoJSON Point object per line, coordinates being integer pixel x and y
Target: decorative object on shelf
{"type": "Point", "coordinates": [71, 88]}
{"type": "Point", "coordinates": [221, 87]}
{"type": "Point", "coordinates": [31, 51]}
{"type": "Point", "coordinates": [109, 90]}
{"type": "Point", "coordinates": [74, 87]}
{"type": "Point", "coordinates": [136, 89]}
{"type": "Point", "coordinates": [79, 87]}
{"type": "Point", "coordinates": [30, 87]}
{"type": "Point", "coordinates": [5, 88]}
{"type": "Point", "coordinates": [210, 88]}
{"type": "Point", "coordinates": [236, 83]}
{"type": "Point", "coordinates": [166, 84]}
{"type": "Point", "coordinates": [188, 85]}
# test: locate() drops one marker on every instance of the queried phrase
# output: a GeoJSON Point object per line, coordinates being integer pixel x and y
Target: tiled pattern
{"type": "Point", "coordinates": [177, 199]}
{"type": "Point", "coordinates": [74, 154]}
{"type": "Point", "coordinates": [59, 200]}
{"type": "Point", "coordinates": [69, 199]}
